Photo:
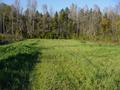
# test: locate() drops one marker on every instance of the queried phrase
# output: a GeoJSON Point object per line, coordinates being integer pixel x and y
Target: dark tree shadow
{"type": "Point", "coordinates": [15, 71]}
{"type": "Point", "coordinates": [4, 42]}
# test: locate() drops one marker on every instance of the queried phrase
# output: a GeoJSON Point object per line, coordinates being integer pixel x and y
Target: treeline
{"type": "Point", "coordinates": [72, 22]}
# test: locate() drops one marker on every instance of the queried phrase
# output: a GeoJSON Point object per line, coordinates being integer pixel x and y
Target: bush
{"type": "Point", "coordinates": [2, 36]}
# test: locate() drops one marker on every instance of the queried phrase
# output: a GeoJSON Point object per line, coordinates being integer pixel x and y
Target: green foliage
{"type": "Point", "coordinates": [2, 36]}
{"type": "Point", "coordinates": [72, 65]}
{"type": "Point", "coordinates": [87, 24]}
{"type": "Point", "coordinates": [59, 64]}
{"type": "Point", "coordinates": [105, 23]}
{"type": "Point", "coordinates": [16, 63]}
{"type": "Point", "coordinates": [63, 65]}
{"type": "Point", "coordinates": [117, 25]}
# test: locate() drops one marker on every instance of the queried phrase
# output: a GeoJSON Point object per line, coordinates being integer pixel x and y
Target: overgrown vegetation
{"type": "Point", "coordinates": [16, 63]}
{"type": "Point", "coordinates": [84, 23]}
{"type": "Point", "coordinates": [59, 65]}
{"type": "Point", "coordinates": [56, 61]}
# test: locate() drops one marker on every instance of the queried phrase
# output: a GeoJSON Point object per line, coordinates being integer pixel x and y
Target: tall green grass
{"type": "Point", "coordinates": [37, 64]}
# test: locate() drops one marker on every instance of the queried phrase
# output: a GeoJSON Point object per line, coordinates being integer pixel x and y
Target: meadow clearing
{"type": "Point", "coordinates": [46, 64]}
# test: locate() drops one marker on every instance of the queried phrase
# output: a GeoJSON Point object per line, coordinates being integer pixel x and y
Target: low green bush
{"type": "Point", "coordinates": [2, 36]}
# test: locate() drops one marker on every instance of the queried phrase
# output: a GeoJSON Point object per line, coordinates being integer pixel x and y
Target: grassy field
{"type": "Point", "coordinates": [59, 65]}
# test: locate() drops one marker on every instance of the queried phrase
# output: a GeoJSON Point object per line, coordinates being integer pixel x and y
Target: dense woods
{"type": "Point", "coordinates": [72, 22]}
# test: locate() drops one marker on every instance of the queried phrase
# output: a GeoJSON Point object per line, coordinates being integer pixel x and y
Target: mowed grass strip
{"type": "Point", "coordinates": [68, 64]}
